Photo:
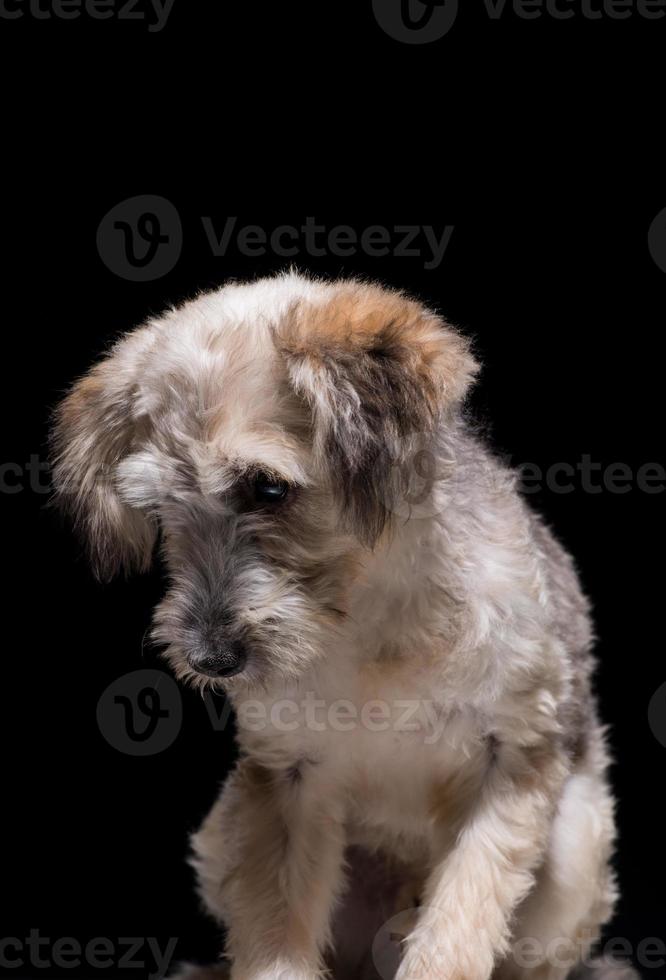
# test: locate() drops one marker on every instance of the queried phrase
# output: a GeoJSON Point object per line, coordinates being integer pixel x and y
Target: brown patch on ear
{"type": "Point", "coordinates": [365, 320]}
{"type": "Point", "coordinates": [375, 367]}
{"type": "Point", "coordinates": [93, 429]}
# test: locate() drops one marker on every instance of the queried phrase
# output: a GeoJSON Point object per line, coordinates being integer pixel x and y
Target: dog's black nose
{"type": "Point", "coordinates": [225, 660]}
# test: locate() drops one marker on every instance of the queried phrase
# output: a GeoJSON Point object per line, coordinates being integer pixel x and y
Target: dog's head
{"type": "Point", "coordinates": [256, 430]}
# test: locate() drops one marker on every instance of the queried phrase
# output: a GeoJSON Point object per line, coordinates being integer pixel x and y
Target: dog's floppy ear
{"type": "Point", "coordinates": [376, 368]}
{"type": "Point", "coordinates": [94, 427]}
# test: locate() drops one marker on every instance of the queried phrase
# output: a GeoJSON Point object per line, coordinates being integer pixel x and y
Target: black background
{"type": "Point", "coordinates": [534, 139]}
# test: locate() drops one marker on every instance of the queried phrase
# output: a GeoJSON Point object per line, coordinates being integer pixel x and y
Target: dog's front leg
{"type": "Point", "coordinates": [269, 858]}
{"type": "Point", "coordinates": [464, 922]}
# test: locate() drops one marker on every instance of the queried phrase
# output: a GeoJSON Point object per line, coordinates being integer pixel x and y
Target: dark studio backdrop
{"type": "Point", "coordinates": [551, 256]}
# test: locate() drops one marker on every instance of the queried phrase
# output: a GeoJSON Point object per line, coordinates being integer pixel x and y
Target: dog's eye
{"type": "Point", "coordinates": [268, 490]}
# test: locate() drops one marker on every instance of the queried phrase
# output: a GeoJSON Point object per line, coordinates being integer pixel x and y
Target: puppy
{"type": "Point", "coordinates": [421, 790]}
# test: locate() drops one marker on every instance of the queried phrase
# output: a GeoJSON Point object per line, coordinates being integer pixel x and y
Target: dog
{"type": "Point", "coordinates": [421, 789]}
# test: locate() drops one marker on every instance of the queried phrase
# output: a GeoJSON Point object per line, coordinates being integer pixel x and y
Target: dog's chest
{"type": "Point", "coordinates": [382, 739]}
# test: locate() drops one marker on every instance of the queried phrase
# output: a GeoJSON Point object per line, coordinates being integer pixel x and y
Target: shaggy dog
{"type": "Point", "coordinates": [421, 790]}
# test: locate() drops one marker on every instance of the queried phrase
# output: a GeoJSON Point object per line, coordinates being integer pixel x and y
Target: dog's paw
{"type": "Point", "coordinates": [276, 971]}
{"type": "Point", "coordinates": [428, 960]}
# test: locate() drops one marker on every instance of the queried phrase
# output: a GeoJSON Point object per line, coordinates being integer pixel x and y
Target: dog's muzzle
{"type": "Point", "coordinates": [227, 659]}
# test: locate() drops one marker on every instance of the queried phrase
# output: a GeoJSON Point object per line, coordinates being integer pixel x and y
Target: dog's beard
{"type": "Point", "coordinates": [282, 628]}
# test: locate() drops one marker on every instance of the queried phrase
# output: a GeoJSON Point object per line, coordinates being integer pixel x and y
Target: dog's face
{"type": "Point", "coordinates": [257, 430]}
